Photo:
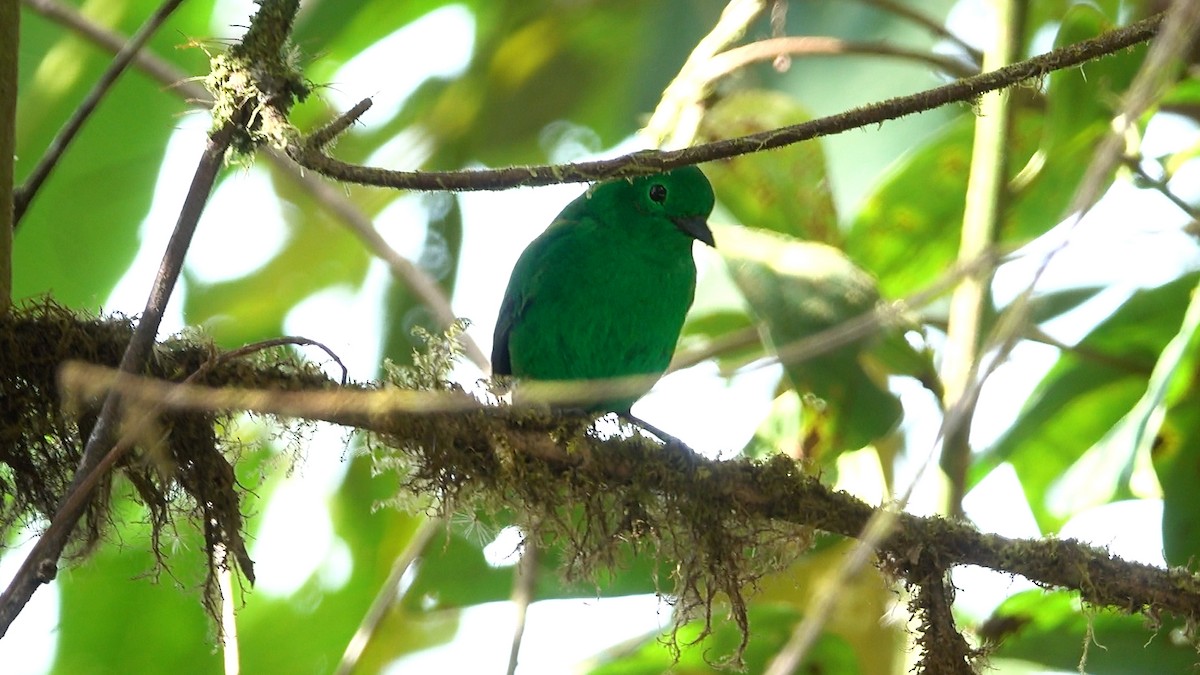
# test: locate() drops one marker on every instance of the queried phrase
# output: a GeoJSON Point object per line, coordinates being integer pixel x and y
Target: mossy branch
{"type": "Point", "coordinates": [473, 444]}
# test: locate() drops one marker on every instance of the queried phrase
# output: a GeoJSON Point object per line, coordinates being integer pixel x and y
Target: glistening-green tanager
{"type": "Point", "coordinates": [602, 293]}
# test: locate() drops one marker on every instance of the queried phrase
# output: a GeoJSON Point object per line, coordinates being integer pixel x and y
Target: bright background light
{"type": "Point", "coordinates": [1136, 240]}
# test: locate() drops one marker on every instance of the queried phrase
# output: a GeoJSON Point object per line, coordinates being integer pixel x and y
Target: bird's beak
{"type": "Point", "coordinates": [696, 227]}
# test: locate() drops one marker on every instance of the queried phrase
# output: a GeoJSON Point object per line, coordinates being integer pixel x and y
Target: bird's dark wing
{"type": "Point", "coordinates": [523, 285]}
{"type": "Point", "coordinates": [501, 363]}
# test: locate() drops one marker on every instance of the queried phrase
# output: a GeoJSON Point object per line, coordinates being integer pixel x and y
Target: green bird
{"type": "Point", "coordinates": [602, 293]}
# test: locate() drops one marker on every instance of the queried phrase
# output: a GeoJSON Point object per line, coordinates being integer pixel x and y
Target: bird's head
{"type": "Point", "coordinates": [681, 196]}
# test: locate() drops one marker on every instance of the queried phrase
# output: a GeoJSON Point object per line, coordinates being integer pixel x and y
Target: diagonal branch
{"type": "Point", "coordinates": [901, 10]}
{"type": "Point", "coordinates": [648, 162]}
{"type": "Point", "coordinates": [40, 566]}
{"type": "Point", "coordinates": [268, 33]}
{"type": "Point", "coordinates": [810, 45]}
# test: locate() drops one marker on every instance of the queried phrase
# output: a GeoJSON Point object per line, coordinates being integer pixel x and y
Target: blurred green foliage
{"type": "Point", "coordinates": [888, 199]}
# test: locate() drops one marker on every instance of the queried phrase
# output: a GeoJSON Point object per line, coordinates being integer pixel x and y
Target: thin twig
{"type": "Point", "coordinates": [650, 161]}
{"type": "Point", "coordinates": [1161, 185]}
{"type": "Point", "coordinates": [926, 22]}
{"type": "Point", "coordinates": [868, 323]}
{"type": "Point", "coordinates": [417, 280]}
{"type": "Point", "coordinates": [331, 130]}
{"type": "Point", "coordinates": [729, 61]}
{"type": "Point", "coordinates": [278, 342]}
{"type": "Point", "coordinates": [524, 583]}
{"type": "Point", "coordinates": [389, 594]}
{"type": "Point", "coordinates": [111, 41]}
{"type": "Point", "coordinates": [40, 566]}
{"type": "Point", "coordinates": [677, 115]}
{"type": "Point", "coordinates": [25, 194]}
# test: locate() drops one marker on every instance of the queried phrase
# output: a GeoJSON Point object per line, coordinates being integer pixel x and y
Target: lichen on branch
{"type": "Point", "coordinates": [260, 74]}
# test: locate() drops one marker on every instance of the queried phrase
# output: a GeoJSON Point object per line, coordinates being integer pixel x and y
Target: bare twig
{"type": "Point", "coordinates": [279, 342]}
{"type": "Point", "coordinates": [417, 280]}
{"type": "Point", "coordinates": [1162, 186]}
{"type": "Point", "coordinates": [729, 61]}
{"type": "Point", "coordinates": [649, 162]}
{"type": "Point", "coordinates": [25, 194]}
{"type": "Point", "coordinates": [524, 583]}
{"type": "Point", "coordinates": [111, 41]}
{"type": "Point", "coordinates": [935, 27]}
{"type": "Point", "coordinates": [388, 594]}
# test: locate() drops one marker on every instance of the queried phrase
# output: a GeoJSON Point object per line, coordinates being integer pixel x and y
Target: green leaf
{"type": "Point", "coordinates": [1177, 463]}
{"type": "Point", "coordinates": [798, 289]}
{"type": "Point", "coordinates": [80, 232]}
{"type": "Point", "coordinates": [1079, 106]}
{"type": "Point", "coordinates": [120, 616]}
{"type": "Point", "coordinates": [594, 67]}
{"type": "Point", "coordinates": [785, 190]}
{"type": "Point", "coordinates": [1049, 628]}
{"type": "Point", "coordinates": [907, 232]}
{"type": "Point", "coordinates": [1175, 445]}
{"type": "Point", "coordinates": [1085, 394]}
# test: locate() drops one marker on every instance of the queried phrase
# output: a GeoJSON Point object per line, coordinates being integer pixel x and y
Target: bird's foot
{"type": "Point", "coordinates": [669, 441]}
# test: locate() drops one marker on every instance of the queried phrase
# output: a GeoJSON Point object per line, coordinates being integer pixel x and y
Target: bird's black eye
{"type": "Point", "coordinates": [658, 192]}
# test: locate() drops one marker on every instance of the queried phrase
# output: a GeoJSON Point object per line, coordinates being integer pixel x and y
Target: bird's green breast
{"type": "Point", "coordinates": [599, 306]}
